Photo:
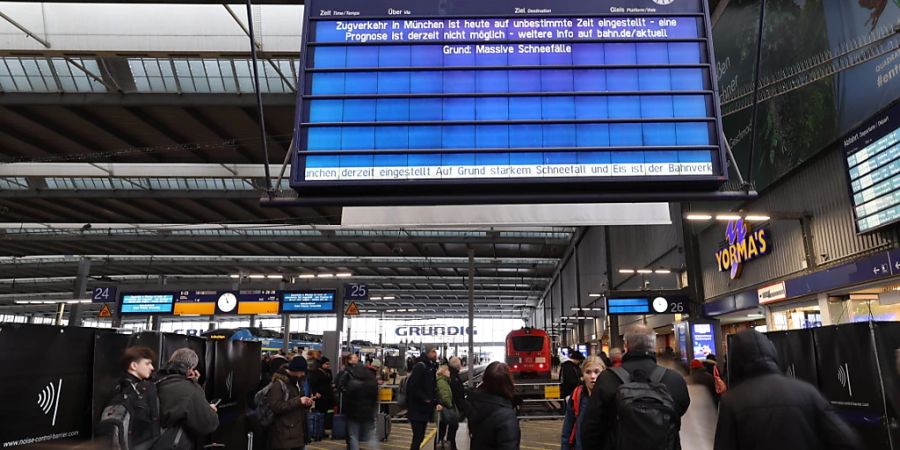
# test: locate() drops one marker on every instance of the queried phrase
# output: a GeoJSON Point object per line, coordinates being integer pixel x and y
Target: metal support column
{"type": "Point", "coordinates": [581, 336]}
{"type": "Point", "coordinates": [84, 269]}
{"type": "Point", "coordinates": [156, 323]}
{"type": "Point", "coordinates": [471, 330]}
{"type": "Point", "coordinates": [286, 325]}
{"type": "Point", "coordinates": [809, 248]}
{"type": "Point", "coordinates": [614, 339]}
{"type": "Point", "coordinates": [60, 313]}
{"type": "Point", "coordinates": [694, 266]}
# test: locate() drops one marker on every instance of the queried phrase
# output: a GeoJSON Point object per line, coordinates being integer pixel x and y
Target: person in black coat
{"type": "Point", "coordinates": [598, 427]}
{"type": "Point", "coordinates": [493, 424]}
{"type": "Point", "coordinates": [766, 410]}
{"type": "Point", "coordinates": [421, 395]}
{"type": "Point", "coordinates": [570, 373]}
{"type": "Point", "coordinates": [182, 402]}
{"type": "Point", "coordinates": [320, 382]}
{"type": "Point", "coordinates": [360, 406]}
{"type": "Point", "coordinates": [138, 393]}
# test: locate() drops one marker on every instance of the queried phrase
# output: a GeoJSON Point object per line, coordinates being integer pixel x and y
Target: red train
{"type": "Point", "coordinates": [528, 353]}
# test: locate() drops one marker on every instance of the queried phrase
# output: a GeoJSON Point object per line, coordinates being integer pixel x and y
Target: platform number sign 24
{"type": "Point", "coordinates": [103, 294]}
{"type": "Point", "coordinates": [356, 291]}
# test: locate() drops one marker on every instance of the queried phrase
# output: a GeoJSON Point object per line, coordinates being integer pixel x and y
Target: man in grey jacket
{"type": "Point", "coordinates": [182, 402]}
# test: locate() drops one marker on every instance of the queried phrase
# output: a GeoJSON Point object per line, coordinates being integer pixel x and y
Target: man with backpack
{"type": "Point", "coordinates": [137, 401]}
{"type": "Point", "coordinates": [288, 403]}
{"type": "Point", "coordinates": [420, 395]}
{"type": "Point", "coordinates": [638, 405]}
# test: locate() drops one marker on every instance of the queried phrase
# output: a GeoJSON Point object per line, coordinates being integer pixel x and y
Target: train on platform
{"type": "Point", "coordinates": [270, 340]}
{"type": "Point", "coordinates": [528, 353]}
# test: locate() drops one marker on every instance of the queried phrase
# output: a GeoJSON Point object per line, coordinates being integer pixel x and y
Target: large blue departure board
{"type": "Point", "coordinates": [432, 92]}
{"type": "Point", "coordinates": [873, 162]}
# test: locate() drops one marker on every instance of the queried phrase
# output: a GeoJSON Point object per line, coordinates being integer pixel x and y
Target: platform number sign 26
{"type": "Point", "coordinates": [103, 294]}
{"type": "Point", "coordinates": [356, 291]}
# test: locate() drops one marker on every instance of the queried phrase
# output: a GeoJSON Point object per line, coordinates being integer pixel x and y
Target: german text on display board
{"type": "Point", "coordinates": [506, 92]}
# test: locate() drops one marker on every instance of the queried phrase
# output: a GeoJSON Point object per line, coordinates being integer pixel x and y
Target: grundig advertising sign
{"type": "Point", "coordinates": [744, 245]}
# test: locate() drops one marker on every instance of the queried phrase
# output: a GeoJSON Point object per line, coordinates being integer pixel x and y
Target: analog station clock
{"type": "Point", "coordinates": [227, 303]}
{"type": "Point", "coordinates": [660, 304]}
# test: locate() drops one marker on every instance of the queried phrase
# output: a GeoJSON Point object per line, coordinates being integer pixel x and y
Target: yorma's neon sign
{"type": "Point", "coordinates": [744, 245]}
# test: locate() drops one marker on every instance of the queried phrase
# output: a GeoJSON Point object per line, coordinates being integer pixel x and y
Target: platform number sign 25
{"type": "Point", "coordinates": [103, 294]}
{"type": "Point", "coordinates": [356, 291]}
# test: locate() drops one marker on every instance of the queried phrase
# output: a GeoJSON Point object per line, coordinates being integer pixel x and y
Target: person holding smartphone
{"type": "Point", "coordinates": [182, 402]}
{"type": "Point", "coordinates": [290, 405]}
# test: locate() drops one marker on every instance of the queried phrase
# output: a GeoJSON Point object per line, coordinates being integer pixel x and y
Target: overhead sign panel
{"type": "Point", "coordinates": [873, 164]}
{"type": "Point", "coordinates": [307, 302]}
{"type": "Point", "coordinates": [147, 303]}
{"type": "Point", "coordinates": [481, 95]}
{"type": "Point", "coordinates": [654, 304]}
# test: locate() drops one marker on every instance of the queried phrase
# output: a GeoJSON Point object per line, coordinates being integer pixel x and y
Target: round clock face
{"type": "Point", "coordinates": [227, 302]}
{"type": "Point", "coordinates": [660, 305]}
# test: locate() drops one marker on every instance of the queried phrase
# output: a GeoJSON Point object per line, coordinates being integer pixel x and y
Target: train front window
{"type": "Point", "coordinates": [528, 343]}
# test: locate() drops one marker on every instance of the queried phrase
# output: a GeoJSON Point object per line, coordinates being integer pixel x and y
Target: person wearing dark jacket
{"type": "Point", "coordinates": [182, 402]}
{"type": "Point", "coordinates": [286, 400]}
{"type": "Point", "coordinates": [493, 424]}
{"type": "Point", "coordinates": [320, 382]}
{"type": "Point", "coordinates": [457, 386]}
{"type": "Point", "coordinates": [591, 369]}
{"type": "Point", "coordinates": [361, 405]}
{"type": "Point", "coordinates": [570, 373]}
{"type": "Point", "coordinates": [139, 395]}
{"type": "Point", "coordinates": [421, 396]}
{"type": "Point", "coordinates": [599, 425]}
{"type": "Point", "coordinates": [766, 410]}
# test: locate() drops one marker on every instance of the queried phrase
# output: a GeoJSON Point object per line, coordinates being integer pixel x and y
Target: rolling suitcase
{"type": "Point", "coordinates": [339, 427]}
{"type": "Point", "coordinates": [315, 425]}
{"type": "Point", "coordinates": [382, 426]}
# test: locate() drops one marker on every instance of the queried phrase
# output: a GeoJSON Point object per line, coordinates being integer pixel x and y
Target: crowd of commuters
{"type": "Point", "coordinates": [632, 399]}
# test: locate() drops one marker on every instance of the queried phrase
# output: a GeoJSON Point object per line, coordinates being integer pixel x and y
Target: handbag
{"type": "Point", "coordinates": [449, 415]}
{"type": "Point", "coordinates": [721, 387]}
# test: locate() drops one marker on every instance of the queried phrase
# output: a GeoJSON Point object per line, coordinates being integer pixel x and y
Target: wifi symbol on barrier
{"type": "Point", "coordinates": [49, 399]}
{"type": "Point", "coordinates": [844, 378]}
{"type": "Point", "coordinates": [791, 371]}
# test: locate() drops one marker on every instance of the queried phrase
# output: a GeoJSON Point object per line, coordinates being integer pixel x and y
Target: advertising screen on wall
{"type": "Point", "coordinates": [873, 162]}
{"type": "Point", "coordinates": [471, 95]}
{"type": "Point", "coordinates": [147, 303]}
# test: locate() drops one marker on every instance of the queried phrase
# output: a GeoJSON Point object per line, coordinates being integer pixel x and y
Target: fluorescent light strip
{"type": "Point", "coordinates": [306, 275]}
{"type": "Point", "coordinates": [644, 271]}
{"type": "Point", "coordinates": [662, 271]}
{"type": "Point", "coordinates": [595, 294]}
{"type": "Point", "coordinates": [325, 275]}
{"type": "Point", "coordinates": [757, 218]}
{"type": "Point", "coordinates": [344, 275]}
{"type": "Point", "coordinates": [728, 217]}
{"type": "Point", "coordinates": [698, 217]}
{"type": "Point", "coordinates": [626, 271]}
{"type": "Point", "coordinates": [257, 277]}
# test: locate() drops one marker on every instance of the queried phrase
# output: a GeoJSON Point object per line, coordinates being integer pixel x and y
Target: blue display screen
{"type": "Point", "coordinates": [147, 303]}
{"type": "Point", "coordinates": [494, 91]}
{"type": "Point", "coordinates": [307, 301]}
{"type": "Point", "coordinates": [639, 305]}
{"type": "Point", "coordinates": [873, 161]}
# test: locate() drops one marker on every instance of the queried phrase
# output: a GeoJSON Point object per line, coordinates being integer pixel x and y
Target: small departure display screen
{"type": "Point", "coordinates": [638, 305]}
{"type": "Point", "coordinates": [307, 301]}
{"type": "Point", "coordinates": [873, 162]}
{"type": "Point", "coordinates": [147, 303]}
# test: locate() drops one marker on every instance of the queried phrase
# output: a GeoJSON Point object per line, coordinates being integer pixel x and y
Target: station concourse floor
{"type": "Point", "coordinates": [536, 435]}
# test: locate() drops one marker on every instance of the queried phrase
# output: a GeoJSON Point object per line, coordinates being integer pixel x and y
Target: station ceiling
{"type": "Point", "coordinates": [186, 224]}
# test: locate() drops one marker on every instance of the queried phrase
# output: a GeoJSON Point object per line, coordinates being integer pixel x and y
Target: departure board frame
{"type": "Point", "coordinates": [556, 160]}
{"type": "Point", "coordinates": [865, 199]}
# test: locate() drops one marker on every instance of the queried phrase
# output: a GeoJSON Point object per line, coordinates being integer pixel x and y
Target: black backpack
{"type": "Point", "coordinates": [646, 417]}
{"type": "Point", "coordinates": [115, 424]}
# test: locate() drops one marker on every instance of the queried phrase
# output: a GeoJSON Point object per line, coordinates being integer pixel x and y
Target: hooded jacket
{"type": "Point", "coordinates": [182, 402]}
{"type": "Point", "coordinates": [493, 424]}
{"type": "Point", "coordinates": [288, 430]}
{"type": "Point", "coordinates": [765, 410]}
{"type": "Point", "coordinates": [361, 402]}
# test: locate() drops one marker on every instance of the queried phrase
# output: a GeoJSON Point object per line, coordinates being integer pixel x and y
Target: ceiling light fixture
{"type": "Point", "coordinates": [728, 217]}
{"type": "Point", "coordinates": [698, 217]}
{"type": "Point", "coordinates": [757, 218]}
{"type": "Point", "coordinates": [274, 277]}
{"type": "Point", "coordinates": [306, 275]}
{"type": "Point", "coordinates": [626, 271]}
{"type": "Point", "coordinates": [344, 275]}
{"type": "Point", "coordinates": [662, 271]}
{"type": "Point", "coordinates": [390, 298]}
{"type": "Point", "coordinates": [235, 275]}
{"type": "Point", "coordinates": [257, 276]}
{"type": "Point", "coordinates": [595, 294]}
{"type": "Point", "coordinates": [325, 275]}
{"type": "Point", "coordinates": [374, 298]}
{"type": "Point", "coordinates": [644, 271]}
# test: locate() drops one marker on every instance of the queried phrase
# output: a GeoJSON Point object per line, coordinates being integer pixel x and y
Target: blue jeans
{"type": "Point", "coordinates": [361, 431]}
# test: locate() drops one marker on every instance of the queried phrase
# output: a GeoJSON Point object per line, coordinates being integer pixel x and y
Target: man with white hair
{"type": "Point", "coordinates": [599, 429]}
{"type": "Point", "coordinates": [182, 402]}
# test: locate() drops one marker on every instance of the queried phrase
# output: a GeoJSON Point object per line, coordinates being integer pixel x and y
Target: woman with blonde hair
{"type": "Point", "coordinates": [449, 422]}
{"type": "Point", "coordinates": [577, 403]}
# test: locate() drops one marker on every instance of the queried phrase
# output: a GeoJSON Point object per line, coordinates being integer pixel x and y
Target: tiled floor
{"type": "Point", "coordinates": [536, 435]}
